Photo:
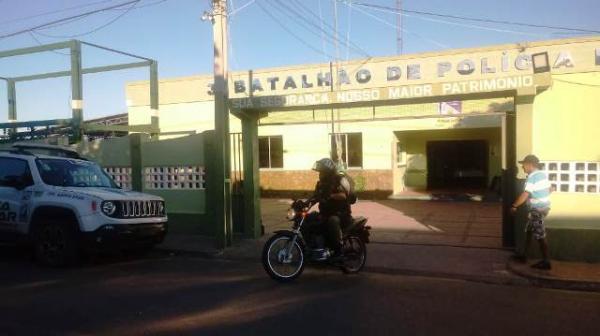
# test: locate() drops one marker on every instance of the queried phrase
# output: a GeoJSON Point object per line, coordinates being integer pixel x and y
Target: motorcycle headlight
{"type": "Point", "coordinates": [291, 214]}
{"type": "Point", "coordinates": [109, 208]}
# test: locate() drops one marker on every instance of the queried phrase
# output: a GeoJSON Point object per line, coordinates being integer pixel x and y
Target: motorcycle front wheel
{"type": "Point", "coordinates": [283, 259]}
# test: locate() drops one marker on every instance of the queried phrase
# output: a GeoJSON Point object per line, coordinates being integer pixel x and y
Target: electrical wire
{"type": "Point", "coordinates": [25, 18]}
{"type": "Point", "coordinates": [432, 41]}
{"type": "Point", "coordinates": [239, 9]}
{"type": "Point", "coordinates": [128, 10]}
{"type": "Point", "coordinates": [348, 30]}
{"type": "Point", "coordinates": [310, 26]}
{"type": "Point", "coordinates": [274, 18]}
{"type": "Point", "coordinates": [51, 23]}
{"type": "Point", "coordinates": [504, 22]}
{"type": "Point", "coordinates": [115, 19]}
{"type": "Point", "coordinates": [321, 24]}
{"type": "Point", "coordinates": [499, 30]}
{"type": "Point", "coordinates": [31, 33]}
{"type": "Point", "coordinates": [576, 83]}
{"type": "Point", "coordinates": [331, 35]}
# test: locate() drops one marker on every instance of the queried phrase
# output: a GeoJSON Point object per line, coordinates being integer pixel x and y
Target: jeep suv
{"type": "Point", "coordinates": [64, 204]}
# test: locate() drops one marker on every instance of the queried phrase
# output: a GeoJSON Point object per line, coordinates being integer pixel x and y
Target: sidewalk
{"type": "Point", "coordinates": [488, 265]}
{"type": "Point", "coordinates": [465, 263]}
{"type": "Point", "coordinates": [564, 275]}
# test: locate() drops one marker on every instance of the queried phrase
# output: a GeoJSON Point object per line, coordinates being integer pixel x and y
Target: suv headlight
{"type": "Point", "coordinates": [161, 208]}
{"type": "Point", "coordinates": [109, 208]}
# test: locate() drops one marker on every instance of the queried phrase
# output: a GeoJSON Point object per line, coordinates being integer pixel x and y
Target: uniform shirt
{"type": "Point", "coordinates": [538, 187]}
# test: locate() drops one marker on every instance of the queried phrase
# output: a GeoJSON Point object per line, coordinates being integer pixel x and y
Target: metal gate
{"type": "Point", "coordinates": [237, 183]}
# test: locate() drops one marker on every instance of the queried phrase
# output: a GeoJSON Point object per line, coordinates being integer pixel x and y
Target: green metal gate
{"type": "Point", "coordinates": [237, 183]}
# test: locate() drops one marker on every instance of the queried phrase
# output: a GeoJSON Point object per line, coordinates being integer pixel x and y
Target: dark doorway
{"type": "Point", "coordinates": [457, 164]}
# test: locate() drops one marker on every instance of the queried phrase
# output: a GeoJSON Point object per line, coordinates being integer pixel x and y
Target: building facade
{"type": "Point", "coordinates": [452, 121]}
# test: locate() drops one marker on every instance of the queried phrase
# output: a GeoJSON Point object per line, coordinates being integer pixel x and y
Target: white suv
{"type": "Point", "coordinates": [64, 204]}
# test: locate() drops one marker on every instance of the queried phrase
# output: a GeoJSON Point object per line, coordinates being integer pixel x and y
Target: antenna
{"type": "Point", "coordinates": [399, 26]}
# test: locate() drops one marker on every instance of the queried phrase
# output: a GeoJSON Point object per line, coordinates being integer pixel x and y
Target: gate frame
{"type": "Point", "coordinates": [76, 73]}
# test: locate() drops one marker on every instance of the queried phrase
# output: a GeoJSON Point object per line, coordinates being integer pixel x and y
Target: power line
{"type": "Point", "coordinates": [25, 18]}
{"type": "Point", "coordinates": [332, 35]}
{"type": "Point", "coordinates": [432, 41]}
{"type": "Point", "coordinates": [466, 25]}
{"type": "Point", "coordinates": [274, 18]}
{"type": "Point", "coordinates": [51, 23]}
{"type": "Point", "coordinates": [313, 28]}
{"type": "Point", "coordinates": [450, 16]}
{"type": "Point", "coordinates": [576, 83]}
{"type": "Point", "coordinates": [115, 19]}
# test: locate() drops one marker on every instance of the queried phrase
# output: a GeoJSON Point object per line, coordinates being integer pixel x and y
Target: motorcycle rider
{"type": "Point", "coordinates": [333, 192]}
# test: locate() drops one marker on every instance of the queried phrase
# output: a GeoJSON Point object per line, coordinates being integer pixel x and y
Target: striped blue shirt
{"type": "Point", "coordinates": [538, 187]}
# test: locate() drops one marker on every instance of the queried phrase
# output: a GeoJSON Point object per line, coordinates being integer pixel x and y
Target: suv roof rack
{"type": "Point", "coordinates": [15, 151]}
{"type": "Point", "coordinates": [48, 150]}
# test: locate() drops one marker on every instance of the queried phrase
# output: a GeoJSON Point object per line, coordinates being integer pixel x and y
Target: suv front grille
{"type": "Point", "coordinates": [141, 209]}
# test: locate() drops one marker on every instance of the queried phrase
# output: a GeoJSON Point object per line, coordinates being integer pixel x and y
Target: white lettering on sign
{"type": "Point", "coordinates": [410, 91]}
{"type": "Point", "coordinates": [398, 92]}
{"type": "Point", "coordinates": [484, 85]}
{"type": "Point", "coordinates": [357, 96]}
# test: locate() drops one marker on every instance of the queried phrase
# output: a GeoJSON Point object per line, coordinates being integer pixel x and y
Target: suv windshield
{"type": "Point", "coordinates": [73, 173]}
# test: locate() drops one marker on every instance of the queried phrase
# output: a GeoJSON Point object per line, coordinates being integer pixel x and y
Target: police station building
{"type": "Point", "coordinates": [451, 121]}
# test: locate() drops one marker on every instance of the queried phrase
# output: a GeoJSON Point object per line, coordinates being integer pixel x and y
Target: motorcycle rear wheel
{"type": "Point", "coordinates": [276, 262]}
{"type": "Point", "coordinates": [355, 255]}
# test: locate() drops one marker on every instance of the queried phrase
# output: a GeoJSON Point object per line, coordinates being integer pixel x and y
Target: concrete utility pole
{"type": "Point", "coordinates": [222, 172]}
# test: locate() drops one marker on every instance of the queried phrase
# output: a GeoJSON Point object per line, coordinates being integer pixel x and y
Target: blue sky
{"type": "Point", "coordinates": [171, 32]}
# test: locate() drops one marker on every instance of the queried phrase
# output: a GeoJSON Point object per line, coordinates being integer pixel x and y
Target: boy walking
{"type": "Point", "coordinates": [537, 195]}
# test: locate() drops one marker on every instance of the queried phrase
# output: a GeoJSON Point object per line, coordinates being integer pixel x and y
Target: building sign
{"type": "Point", "coordinates": [380, 73]}
{"type": "Point", "coordinates": [452, 72]}
{"type": "Point", "coordinates": [388, 93]}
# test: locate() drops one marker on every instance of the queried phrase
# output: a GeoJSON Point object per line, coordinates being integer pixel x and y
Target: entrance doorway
{"type": "Point", "coordinates": [457, 164]}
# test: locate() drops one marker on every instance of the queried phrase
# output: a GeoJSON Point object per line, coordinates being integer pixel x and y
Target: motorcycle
{"type": "Point", "coordinates": [286, 253]}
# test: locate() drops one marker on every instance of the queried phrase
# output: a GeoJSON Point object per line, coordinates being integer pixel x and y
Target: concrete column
{"type": "Point", "coordinates": [524, 146]}
{"type": "Point", "coordinates": [252, 212]}
{"type": "Point", "coordinates": [154, 105]}
{"type": "Point", "coordinates": [12, 103]}
{"type": "Point", "coordinates": [135, 149]}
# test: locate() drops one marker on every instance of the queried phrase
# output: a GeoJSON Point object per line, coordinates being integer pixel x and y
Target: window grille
{"type": "Point", "coordinates": [174, 177]}
{"type": "Point", "coordinates": [121, 176]}
{"type": "Point", "coordinates": [574, 177]}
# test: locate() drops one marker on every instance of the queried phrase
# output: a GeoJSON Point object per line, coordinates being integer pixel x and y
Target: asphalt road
{"type": "Point", "coordinates": [181, 295]}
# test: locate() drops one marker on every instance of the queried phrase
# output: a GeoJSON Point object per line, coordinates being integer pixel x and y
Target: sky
{"type": "Point", "coordinates": [172, 32]}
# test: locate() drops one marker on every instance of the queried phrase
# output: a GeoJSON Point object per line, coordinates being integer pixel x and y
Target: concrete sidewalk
{"type": "Point", "coordinates": [466, 263]}
{"type": "Point", "coordinates": [565, 275]}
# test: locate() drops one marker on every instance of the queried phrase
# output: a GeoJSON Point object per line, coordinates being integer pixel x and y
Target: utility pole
{"type": "Point", "coordinates": [222, 165]}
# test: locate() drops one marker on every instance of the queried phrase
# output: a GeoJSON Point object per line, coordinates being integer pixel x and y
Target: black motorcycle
{"type": "Point", "coordinates": [286, 253]}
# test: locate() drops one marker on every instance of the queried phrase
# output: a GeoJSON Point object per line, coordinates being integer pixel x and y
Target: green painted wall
{"type": "Point", "coordinates": [187, 208]}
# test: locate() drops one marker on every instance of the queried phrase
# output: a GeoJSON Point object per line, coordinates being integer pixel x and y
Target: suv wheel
{"type": "Point", "coordinates": [56, 245]}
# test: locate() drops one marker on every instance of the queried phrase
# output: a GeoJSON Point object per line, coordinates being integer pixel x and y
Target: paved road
{"type": "Point", "coordinates": [179, 295]}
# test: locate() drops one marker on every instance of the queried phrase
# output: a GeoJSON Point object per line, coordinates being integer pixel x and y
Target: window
{"type": "Point", "coordinates": [270, 151]}
{"type": "Point", "coordinates": [351, 146]}
{"type": "Point", "coordinates": [14, 172]}
{"type": "Point", "coordinates": [73, 173]}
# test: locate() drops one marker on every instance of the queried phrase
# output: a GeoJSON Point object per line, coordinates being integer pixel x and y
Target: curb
{"type": "Point", "coordinates": [507, 280]}
{"type": "Point", "coordinates": [552, 282]}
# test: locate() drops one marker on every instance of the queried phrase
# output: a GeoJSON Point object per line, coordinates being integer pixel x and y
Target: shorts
{"type": "Point", "coordinates": [535, 224]}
